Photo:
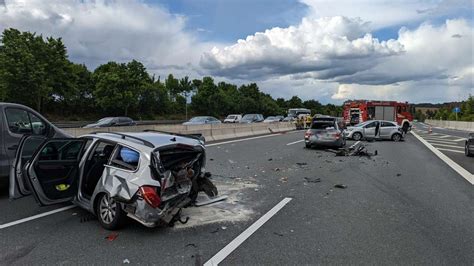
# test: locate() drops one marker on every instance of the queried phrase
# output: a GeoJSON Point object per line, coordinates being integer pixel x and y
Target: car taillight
{"type": "Point", "coordinates": [337, 135]}
{"type": "Point", "coordinates": [150, 196]}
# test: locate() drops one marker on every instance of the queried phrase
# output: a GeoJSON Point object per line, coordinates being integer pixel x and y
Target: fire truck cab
{"type": "Point", "coordinates": [359, 111]}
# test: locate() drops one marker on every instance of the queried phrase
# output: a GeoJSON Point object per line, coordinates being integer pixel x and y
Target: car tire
{"type": "Point", "coordinates": [109, 212]}
{"type": "Point", "coordinates": [357, 136]}
{"type": "Point", "coordinates": [397, 137]}
{"type": "Point", "coordinates": [467, 152]}
{"type": "Point", "coordinates": [307, 145]}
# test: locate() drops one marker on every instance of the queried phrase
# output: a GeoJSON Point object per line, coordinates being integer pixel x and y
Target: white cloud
{"type": "Point", "coordinates": [328, 47]}
{"type": "Point", "coordinates": [384, 13]}
{"type": "Point", "coordinates": [99, 31]}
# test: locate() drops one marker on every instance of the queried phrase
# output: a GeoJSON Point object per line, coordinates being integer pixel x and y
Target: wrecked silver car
{"type": "Point", "coordinates": [147, 176]}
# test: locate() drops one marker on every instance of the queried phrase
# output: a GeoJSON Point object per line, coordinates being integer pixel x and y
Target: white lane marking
{"type": "Point", "coordinates": [34, 217]}
{"type": "Point", "coordinates": [445, 136]}
{"type": "Point", "coordinates": [239, 140]}
{"type": "Point", "coordinates": [223, 253]}
{"type": "Point", "coordinates": [456, 167]}
{"type": "Point", "coordinates": [446, 145]}
{"type": "Point", "coordinates": [443, 149]}
{"type": "Point", "coordinates": [355, 144]}
{"type": "Point", "coordinates": [437, 139]}
{"type": "Point", "coordinates": [294, 142]}
{"type": "Point", "coordinates": [441, 141]}
{"type": "Point", "coordinates": [461, 139]}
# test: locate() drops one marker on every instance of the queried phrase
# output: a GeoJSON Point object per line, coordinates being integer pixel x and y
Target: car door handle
{"type": "Point", "coordinates": [13, 148]}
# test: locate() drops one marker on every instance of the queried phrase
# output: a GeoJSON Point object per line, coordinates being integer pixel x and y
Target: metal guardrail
{"type": "Point", "coordinates": [78, 124]}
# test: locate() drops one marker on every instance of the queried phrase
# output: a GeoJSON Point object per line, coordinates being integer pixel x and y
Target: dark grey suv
{"type": "Point", "coordinates": [16, 121]}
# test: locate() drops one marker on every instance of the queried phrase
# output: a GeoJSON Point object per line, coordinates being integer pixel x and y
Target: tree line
{"type": "Point", "coordinates": [36, 72]}
{"type": "Point", "coordinates": [446, 111]}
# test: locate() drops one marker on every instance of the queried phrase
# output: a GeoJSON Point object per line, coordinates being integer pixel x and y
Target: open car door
{"type": "Point", "coordinates": [53, 171]}
{"type": "Point", "coordinates": [19, 186]}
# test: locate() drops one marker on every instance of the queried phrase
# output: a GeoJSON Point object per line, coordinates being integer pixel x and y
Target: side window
{"type": "Point", "coordinates": [371, 125]}
{"type": "Point", "coordinates": [387, 124]}
{"type": "Point", "coordinates": [37, 125]}
{"type": "Point", "coordinates": [18, 121]}
{"type": "Point", "coordinates": [56, 150]}
{"type": "Point", "coordinates": [126, 158]}
{"type": "Point", "coordinates": [23, 122]}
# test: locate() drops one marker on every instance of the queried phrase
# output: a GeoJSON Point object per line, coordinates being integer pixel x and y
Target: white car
{"type": "Point", "coordinates": [388, 130]}
{"type": "Point", "coordinates": [233, 119]}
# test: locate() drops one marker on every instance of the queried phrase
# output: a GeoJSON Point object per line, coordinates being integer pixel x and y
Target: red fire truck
{"type": "Point", "coordinates": [359, 111]}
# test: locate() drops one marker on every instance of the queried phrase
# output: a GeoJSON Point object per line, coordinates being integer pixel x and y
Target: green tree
{"type": "Point", "coordinates": [33, 71]}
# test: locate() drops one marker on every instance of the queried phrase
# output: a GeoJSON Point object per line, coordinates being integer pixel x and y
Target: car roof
{"type": "Point", "coordinates": [145, 141]}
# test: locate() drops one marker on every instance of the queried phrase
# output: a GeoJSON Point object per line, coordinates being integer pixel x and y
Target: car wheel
{"type": "Point", "coordinates": [467, 152]}
{"type": "Point", "coordinates": [396, 137]}
{"type": "Point", "coordinates": [357, 136]}
{"type": "Point", "coordinates": [307, 145]}
{"type": "Point", "coordinates": [109, 212]}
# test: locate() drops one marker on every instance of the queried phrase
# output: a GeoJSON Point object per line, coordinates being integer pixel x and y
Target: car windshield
{"type": "Point", "coordinates": [322, 124]}
{"type": "Point", "coordinates": [271, 118]}
{"type": "Point", "coordinates": [230, 117]}
{"type": "Point", "coordinates": [105, 120]}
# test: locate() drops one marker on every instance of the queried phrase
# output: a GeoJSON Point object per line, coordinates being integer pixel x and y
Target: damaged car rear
{"type": "Point", "coordinates": [147, 176]}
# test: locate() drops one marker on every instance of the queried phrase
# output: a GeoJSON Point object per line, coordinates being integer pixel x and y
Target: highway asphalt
{"type": "Point", "coordinates": [403, 206]}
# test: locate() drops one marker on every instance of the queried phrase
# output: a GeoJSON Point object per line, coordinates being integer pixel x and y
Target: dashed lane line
{"type": "Point", "coordinates": [456, 167]}
{"type": "Point", "coordinates": [294, 142]}
{"type": "Point", "coordinates": [34, 217]}
{"type": "Point", "coordinates": [234, 244]}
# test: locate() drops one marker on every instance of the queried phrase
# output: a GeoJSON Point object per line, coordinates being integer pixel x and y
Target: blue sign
{"type": "Point", "coordinates": [456, 110]}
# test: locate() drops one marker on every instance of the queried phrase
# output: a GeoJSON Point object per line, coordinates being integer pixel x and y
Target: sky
{"type": "Point", "coordinates": [328, 50]}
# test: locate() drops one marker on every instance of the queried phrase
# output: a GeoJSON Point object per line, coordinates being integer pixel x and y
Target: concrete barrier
{"type": "Point", "coordinates": [210, 132]}
{"type": "Point", "coordinates": [459, 125]}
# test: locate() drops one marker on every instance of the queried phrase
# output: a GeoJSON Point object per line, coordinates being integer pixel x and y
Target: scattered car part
{"type": "Point", "coordinates": [342, 186]}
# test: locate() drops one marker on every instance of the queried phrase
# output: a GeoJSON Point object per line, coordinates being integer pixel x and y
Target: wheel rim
{"type": "Point", "coordinates": [396, 137]}
{"type": "Point", "coordinates": [357, 136]}
{"type": "Point", "coordinates": [107, 209]}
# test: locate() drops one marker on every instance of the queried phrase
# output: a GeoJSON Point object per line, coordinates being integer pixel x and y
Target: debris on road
{"type": "Point", "coordinates": [340, 186]}
{"type": "Point", "coordinates": [210, 201]}
{"type": "Point", "coordinates": [270, 159]}
{"type": "Point", "coordinates": [224, 227]}
{"type": "Point", "coordinates": [191, 245]}
{"type": "Point", "coordinates": [126, 261]}
{"type": "Point", "coordinates": [284, 179]}
{"type": "Point", "coordinates": [360, 151]}
{"type": "Point", "coordinates": [278, 234]}
{"type": "Point", "coordinates": [276, 169]}
{"type": "Point", "coordinates": [112, 236]}
{"type": "Point", "coordinates": [312, 180]}
{"type": "Point", "coordinates": [399, 174]}
{"type": "Point", "coordinates": [301, 164]}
